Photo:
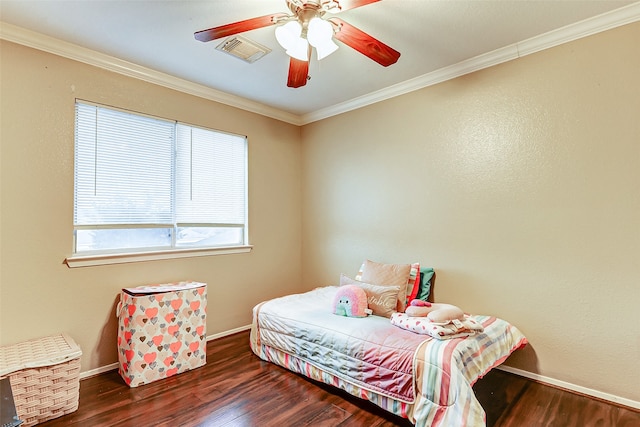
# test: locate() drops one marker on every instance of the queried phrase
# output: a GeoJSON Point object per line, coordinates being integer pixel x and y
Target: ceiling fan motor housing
{"type": "Point", "coordinates": [305, 12]}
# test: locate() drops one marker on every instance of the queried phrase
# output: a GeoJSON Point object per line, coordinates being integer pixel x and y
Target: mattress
{"type": "Point", "coordinates": [427, 380]}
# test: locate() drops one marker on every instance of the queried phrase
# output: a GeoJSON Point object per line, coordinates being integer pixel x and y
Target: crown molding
{"type": "Point", "coordinates": [616, 18]}
{"type": "Point", "coordinates": [607, 21]}
{"type": "Point", "coordinates": [443, 74]}
{"type": "Point", "coordinates": [588, 27]}
{"type": "Point", "coordinates": [58, 47]}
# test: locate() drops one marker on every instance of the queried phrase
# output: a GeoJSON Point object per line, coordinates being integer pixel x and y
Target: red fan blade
{"type": "Point", "coordinates": [238, 27]}
{"type": "Point", "coordinates": [364, 43]}
{"type": "Point", "coordinates": [298, 73]}
{"type": "Point", "coordinates": [352, 4]}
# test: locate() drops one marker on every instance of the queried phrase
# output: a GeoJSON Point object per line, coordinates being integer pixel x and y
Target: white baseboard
{"type": "Point", "coordinates": [572, 387]}
{"type": "Point", "coordinates": [114, 366]}
{"type": "Point", "coordinates": [536, 377]}
{"type": "Point", "coordinates": [98, 371]}
{"type": "Point", "coordinates": [229, 332]}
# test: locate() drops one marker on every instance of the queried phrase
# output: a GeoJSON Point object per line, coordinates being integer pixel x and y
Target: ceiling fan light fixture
{"type": "Point", "coordinates": [320, 36]}
{"type": "Point", "coordinates": [326, 49]}
{"type": "Point", "coordinates": [288, 33]}
{"type": "Point", "coordinates": [289, 37]}
{"type": "Point", "coordinates": [299, 50]}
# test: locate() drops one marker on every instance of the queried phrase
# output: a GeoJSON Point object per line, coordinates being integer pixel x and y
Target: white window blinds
{"type": "Point", "coordinates": [123, 169]}
{"type": "Point", "coordinates": [135, 174]}
{"type": "Point", "coordinates": [211, 177]}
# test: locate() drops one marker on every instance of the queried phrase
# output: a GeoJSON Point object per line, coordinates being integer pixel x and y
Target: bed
{"type": "Point", "coordinates": [416, 376]}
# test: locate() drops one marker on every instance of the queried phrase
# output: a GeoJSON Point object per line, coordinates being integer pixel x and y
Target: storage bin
{"type": "Point", "coordinates": [45, 377]}
{"type": "Point", "coordinates": [161, 331]}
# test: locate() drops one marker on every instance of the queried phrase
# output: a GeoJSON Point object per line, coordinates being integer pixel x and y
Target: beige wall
{"type": "Point", "coordinates": [520, 184]}
{"type": "Point", "coordinates": [38, 294]}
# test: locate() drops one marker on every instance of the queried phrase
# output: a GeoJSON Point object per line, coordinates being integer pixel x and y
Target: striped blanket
{"type": "Point", "coordinates": [417, 377]}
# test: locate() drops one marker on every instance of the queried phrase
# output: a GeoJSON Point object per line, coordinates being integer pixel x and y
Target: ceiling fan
{"type": "Point", "coordinates": [306, 28]}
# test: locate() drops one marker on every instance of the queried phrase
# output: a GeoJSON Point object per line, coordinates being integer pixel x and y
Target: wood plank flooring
{"type": "Point", "coordinates": [236, 388]}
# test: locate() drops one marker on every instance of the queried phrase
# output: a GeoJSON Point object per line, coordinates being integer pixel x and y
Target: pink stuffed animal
{"type": "Point", "coordinates": [435, 312]}
{"type": "Point", "coordinates": [350, 301]}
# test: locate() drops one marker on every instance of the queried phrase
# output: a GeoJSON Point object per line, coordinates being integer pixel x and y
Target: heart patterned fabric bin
{"type": "Point", "coordinates": [161, 331]}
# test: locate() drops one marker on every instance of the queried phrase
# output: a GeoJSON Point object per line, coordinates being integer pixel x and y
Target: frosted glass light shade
{"type": "Point", "coordinates": [326, 49]}
{"type": "Point", "coordinates": [288, 33]}
{"type": "Point", "coordinates": [299, 50]}
{"type": "Point", "coordinates": [288, 36]}
{"type": "Point", "coordinates": [320, 36]}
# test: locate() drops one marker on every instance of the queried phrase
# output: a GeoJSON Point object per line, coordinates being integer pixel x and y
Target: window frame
{"type": "Point", "coordinates": [126, 255]}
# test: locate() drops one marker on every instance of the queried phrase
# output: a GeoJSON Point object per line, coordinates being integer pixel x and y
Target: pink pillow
{"type": "Point", "coordinates": [407, 276]}
{"type": "Point", "coordinates": [436, 312]}
{"type": "Point", "coordinates": [413, 286]}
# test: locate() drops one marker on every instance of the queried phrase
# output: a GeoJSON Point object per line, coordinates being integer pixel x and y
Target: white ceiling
{"type": "Point", "coordinates": [433, 36]}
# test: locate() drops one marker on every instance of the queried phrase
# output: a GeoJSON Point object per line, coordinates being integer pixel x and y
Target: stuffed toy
{"type": "Point", "coordinates": [435, 312]}
{"type": "Point", "coordinates": [350, 301]}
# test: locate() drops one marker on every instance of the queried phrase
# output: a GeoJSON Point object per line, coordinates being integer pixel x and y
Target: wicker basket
{"type": "Point", "coordinates": [44, 376]}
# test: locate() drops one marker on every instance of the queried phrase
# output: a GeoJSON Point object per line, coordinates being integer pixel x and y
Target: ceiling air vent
{"type": "Point", "coordinates": [243, 48]}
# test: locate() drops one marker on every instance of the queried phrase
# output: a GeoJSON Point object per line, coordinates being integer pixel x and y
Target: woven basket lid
{"type": "Point", "coordinates": [46, 351]}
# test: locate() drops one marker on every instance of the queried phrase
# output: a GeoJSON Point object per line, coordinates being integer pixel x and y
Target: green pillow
{"type": "Point", "coordinates": [426, 275]}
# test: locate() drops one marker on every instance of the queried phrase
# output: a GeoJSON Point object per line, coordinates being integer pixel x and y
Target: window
{"type": "Point", "coordinates": [146, 184]}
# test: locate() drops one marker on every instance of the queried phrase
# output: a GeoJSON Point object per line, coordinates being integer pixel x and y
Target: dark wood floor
{"type": "Point", "coordinates": [236, 388]}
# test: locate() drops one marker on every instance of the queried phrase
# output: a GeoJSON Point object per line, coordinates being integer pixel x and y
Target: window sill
{"type": "Point", "coordinates": [106, 259]}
